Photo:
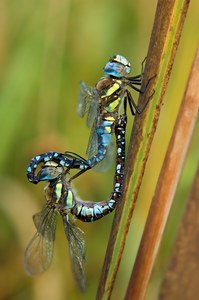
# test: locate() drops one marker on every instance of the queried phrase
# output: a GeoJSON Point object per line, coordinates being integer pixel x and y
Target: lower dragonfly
{"type": "Point", "coordinates": [102, 103]}
{"type": "Point", "coordinates": [62, 200]}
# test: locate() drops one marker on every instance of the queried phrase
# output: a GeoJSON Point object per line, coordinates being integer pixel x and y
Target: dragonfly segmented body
{"type": "Point", "coordinates": [103, 102]}
{"type": "Point", "coordinates": [62, 200]}
{"type": "Point", "coordinates": [89, 211]}
{"type": "Point", "coordinates": [68, 160]}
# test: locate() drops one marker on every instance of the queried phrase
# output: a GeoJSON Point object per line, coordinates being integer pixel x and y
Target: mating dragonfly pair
{"type": "Point", "coordinates": [102, 104]}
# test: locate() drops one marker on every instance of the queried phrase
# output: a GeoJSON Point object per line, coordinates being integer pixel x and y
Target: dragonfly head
{"type": "Point", "coordinates": [118, 66]}
{"type": "Point", "coordinates": [49, 171]}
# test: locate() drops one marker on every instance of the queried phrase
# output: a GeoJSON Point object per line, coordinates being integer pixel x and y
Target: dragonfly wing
{"type": "Point", "coordinates": [93, 110]}
{"type": "Point", "coordinates": [92, 147]}
{"type": "Point", "coordinates": [75, 237]}
{"type": "Point", "coordinates": [39, 252]}
{"type": "Point", "coordinates": [87, 102]}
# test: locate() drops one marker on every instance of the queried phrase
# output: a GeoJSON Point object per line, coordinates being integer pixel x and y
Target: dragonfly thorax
{"type": "Point", "coordinates": [59, 193]}
{"type": "Point", "coordinates": [109, 90]}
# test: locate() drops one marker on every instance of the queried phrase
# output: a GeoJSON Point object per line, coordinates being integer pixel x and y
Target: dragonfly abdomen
{"type": "Point", "coordinates": [88, 211]}
{"type": "Point", "coordinates": [67, 160]}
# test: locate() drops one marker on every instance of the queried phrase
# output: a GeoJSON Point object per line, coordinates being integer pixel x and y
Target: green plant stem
{"type": "Point", "coordinates": [165, 37]}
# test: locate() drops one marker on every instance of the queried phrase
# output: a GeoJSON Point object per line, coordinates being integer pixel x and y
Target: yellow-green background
{"type": "Point", "coordinates": [46, 48]}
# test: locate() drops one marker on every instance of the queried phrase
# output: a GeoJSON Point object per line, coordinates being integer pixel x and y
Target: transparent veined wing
{"type": "Point", "coordinates": [75, 237]}
{"type": "Point", "coordinates": [39, 252]}
{"type": "Point", "coordinates": [93, 143]}
{"type": "Point", "coordinates": [87, 103]}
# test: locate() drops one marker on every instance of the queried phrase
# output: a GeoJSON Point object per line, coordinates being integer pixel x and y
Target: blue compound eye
{"type": "Point", "coordinates": [118, 66]}
{"type": "Point", "coordinates": [122, 60]}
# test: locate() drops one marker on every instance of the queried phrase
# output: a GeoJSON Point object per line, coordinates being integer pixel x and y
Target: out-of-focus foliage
{"type": "Point", "coordinates": [46, 48]}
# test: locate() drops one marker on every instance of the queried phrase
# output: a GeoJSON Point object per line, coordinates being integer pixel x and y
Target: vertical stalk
{"type": "Point", "coordinates": [166, 187]}
{"type": "Point", "coordinates": [169, 20]}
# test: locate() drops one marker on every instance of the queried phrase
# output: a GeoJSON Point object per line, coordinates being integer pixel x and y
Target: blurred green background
{"type": "Point", "coordinates": [46, 48]}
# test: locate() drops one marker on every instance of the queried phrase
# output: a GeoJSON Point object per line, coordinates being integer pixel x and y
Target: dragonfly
{"type": "Point", "coordinates": [102, 104]}
{"type": "Point", "coordinates": [62, 200]}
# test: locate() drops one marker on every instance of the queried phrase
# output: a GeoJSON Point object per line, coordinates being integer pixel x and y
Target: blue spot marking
{"type": "Point", "coordinates": [107, 123]}
{"type": "Point", "coordinates": [98, 210]}
{"type": "Point", "coordinates": [106, 138]}
{"type": "Point", "coordinates": [46, 158]}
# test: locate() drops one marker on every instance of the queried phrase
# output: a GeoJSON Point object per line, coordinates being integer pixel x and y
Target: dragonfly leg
{"type": "Point", "coordinates": [133, 106]}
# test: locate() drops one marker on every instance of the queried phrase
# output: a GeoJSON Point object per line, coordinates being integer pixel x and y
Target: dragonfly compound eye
{"type": "Point", "coordinates": [118, 66]}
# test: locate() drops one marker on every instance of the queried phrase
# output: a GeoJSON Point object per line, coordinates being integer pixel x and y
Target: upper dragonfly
{"type": "Point", "coordinates": [102, 104]}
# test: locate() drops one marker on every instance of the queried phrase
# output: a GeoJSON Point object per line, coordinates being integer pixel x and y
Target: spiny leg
{"type": "Point", "coordinates": [133, 106]}
{"type": "Point", "coordinates": [141, 91]}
